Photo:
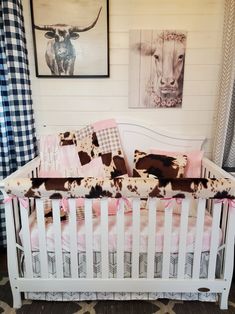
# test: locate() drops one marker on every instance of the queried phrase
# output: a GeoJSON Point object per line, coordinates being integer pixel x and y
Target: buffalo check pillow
{"type": "Point", "coordinates": [158, 166]}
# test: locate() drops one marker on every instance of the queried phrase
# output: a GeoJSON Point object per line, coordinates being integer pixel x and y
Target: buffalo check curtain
{"type": "Point", "coordinates": [17, 131]}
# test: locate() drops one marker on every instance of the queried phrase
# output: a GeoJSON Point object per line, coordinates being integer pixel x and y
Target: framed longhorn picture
{"type": "Point", "coordinates": [156, 68]}
{"type": "Point", "coordinates": [71, 38]}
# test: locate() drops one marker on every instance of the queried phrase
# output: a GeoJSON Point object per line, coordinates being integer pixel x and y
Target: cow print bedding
{"type": "Point", "coordinates": [57, 188]}
{"type": "Point", "coordinates": [156, 175]}
{"type": "Point", "coordinates": [158, 166]}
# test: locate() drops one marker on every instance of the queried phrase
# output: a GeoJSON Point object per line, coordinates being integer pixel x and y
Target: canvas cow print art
{"type": "Point", "coordinates": [156, 68]}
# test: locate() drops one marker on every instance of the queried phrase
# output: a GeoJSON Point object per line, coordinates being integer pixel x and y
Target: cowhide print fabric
{"type": "Point", "coordinates": [49, 216]}
{"type": "Point", "coordinates": [158, 166]}
{"type": "Point", "coordinates": [95, 141]}
{"type": "Point", "coordinates": [67, 138]}
{"type": "Point", "coordinates": [57, 188]}
{"type": "Point", "coordinates": [114, 164]}
{"type": "Point", "coordinates": [88, 149]}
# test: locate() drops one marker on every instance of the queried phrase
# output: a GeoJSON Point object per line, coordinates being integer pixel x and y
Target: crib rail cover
{"type": "Point", "coordinates": [56, 188]}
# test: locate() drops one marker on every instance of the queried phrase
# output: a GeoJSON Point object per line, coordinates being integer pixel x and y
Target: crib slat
{"type": "Point", "coordinates": [203, 172]}
{"type": "Point", "coordinates": [17, 226]}
{"type": "Point", "coordinates": [73, 237]}
{"type": "Point", "coordinates": [17, 218]}
{"type": "Point", "coordinates": [104, 238]}
{"type": "Point", "coordinates": [42, 238]}
{"type": "Point", "coordinates": [26, 241]}
{"type": "Point", "coordinates": [229, 245]}
{"type": "Point", "coordinates": [214, 239]}
{"type": "Point", "coordinates": [224, 221]}
{"type": "Point", "coordinates": [57, 238]}
{"type": "Point", "coordinates": [120, 239]}
{"type": "Point", "coordinates": [199, 237]}
{"type": "Point", "coordinates": [151, 237]}
{"type": "Point", "coordinates": [183, 237]}
{"type": "Point", "coordinates": [135, 238]}
{"type": "Point", "coordinates": [89, 238]}
{"type": "Point", "coordinates": [167, 242]}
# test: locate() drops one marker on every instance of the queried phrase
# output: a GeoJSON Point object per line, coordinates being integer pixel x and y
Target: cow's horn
{"type": "Point", "coordinates": [83, 29]}
{"type": "Point", "coordinates": [45, 27]}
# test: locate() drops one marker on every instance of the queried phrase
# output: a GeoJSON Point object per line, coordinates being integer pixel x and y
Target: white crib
{"type": "Point", "coordinates": [133, 136]}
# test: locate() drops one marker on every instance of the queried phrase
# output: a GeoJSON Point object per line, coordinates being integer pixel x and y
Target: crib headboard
{"type": "Point", "coordinates": [137, 135]}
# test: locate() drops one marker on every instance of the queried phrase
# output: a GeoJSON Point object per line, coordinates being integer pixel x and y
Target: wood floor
{"type": "Point", "coordinates": [105, 307]}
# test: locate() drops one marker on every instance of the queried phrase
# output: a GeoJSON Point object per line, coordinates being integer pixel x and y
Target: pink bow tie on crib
{"type": "Point", "coordinates": [227, 201]}
{"type": "Point", "coordinates": [170, 200]}
{"type": "Point", "coordinates": [125, 200]}
{"type": "Point", "coordinates": [23, 201]}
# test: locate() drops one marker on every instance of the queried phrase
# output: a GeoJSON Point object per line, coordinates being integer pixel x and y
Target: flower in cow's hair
{"type": "Point", "coordinates": [172, 35]}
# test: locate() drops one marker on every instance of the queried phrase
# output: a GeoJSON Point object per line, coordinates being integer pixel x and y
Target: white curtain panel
{"type": "Point", "coordinates": [223, 127]}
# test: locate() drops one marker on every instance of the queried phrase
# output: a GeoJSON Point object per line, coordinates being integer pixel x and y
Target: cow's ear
{"type": "Point", "coordinates": [74, 35]}
{"type": "Point", "coordinates": [49, 35]}
{"type": "Point", "coordinates": [145, 48]}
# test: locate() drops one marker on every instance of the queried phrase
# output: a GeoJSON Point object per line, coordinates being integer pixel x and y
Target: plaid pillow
{"type": "Point", "coordinates": [158, 166]}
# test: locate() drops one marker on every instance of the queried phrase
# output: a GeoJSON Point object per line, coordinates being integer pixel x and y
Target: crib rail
{"type": "Point", "coordinates": [221, 243]}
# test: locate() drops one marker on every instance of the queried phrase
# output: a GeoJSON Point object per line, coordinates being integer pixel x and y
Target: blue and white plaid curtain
{"type": "Point", "coordinates": [17, 131]}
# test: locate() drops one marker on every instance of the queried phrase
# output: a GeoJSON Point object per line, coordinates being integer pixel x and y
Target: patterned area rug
{"type": "Point", "coordinates": [109, 307]}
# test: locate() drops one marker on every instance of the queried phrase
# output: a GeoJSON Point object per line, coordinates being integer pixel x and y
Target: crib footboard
{"type": "Point", "coordinates": [22, 213]}
{"type": "Point", "coordinates": [26, 282]}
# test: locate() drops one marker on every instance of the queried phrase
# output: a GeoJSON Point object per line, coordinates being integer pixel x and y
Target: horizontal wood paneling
{"type": "Point", "coordinates": [175, 116]}
{"type": "Point", "coordinates": [168, 7]}
{"type": "Point", "coordinates": [178, 21]}
{"type": "Point", "coordinates": [109, 103]}
{"type": "Point", "coordinates": [62, 104]}
{"type": "Point", "coordinates": [198, 40]}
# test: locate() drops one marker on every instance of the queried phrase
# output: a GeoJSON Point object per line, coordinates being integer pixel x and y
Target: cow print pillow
{"type": "Point", "coordinates": [158, 166]}
{"type": "Point", "coordinates": [114, 164]}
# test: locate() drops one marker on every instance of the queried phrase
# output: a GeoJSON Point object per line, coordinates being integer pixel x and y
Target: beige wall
{"type": "Point", "coordinates": [62, 104]}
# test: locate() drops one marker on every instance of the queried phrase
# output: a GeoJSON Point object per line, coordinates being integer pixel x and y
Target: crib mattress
{"type": "Point", "coordinates": [112, 239]}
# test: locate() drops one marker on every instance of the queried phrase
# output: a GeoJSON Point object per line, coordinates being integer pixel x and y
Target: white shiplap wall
{"type": "Point", "coordinates": [62, 104]}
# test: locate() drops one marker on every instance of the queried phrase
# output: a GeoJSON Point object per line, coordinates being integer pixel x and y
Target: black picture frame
{"type": "Point", "coordinates": [64, 49]}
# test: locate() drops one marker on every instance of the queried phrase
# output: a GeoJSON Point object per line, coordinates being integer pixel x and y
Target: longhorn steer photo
{"type": "Point", "coordinates": [60, 53]}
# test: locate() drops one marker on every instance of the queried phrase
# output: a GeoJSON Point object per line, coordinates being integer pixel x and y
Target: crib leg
{"type": "Point", "coordinates": [224, 299]}
{"type": "Point", "coordinates": [17, 302]}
